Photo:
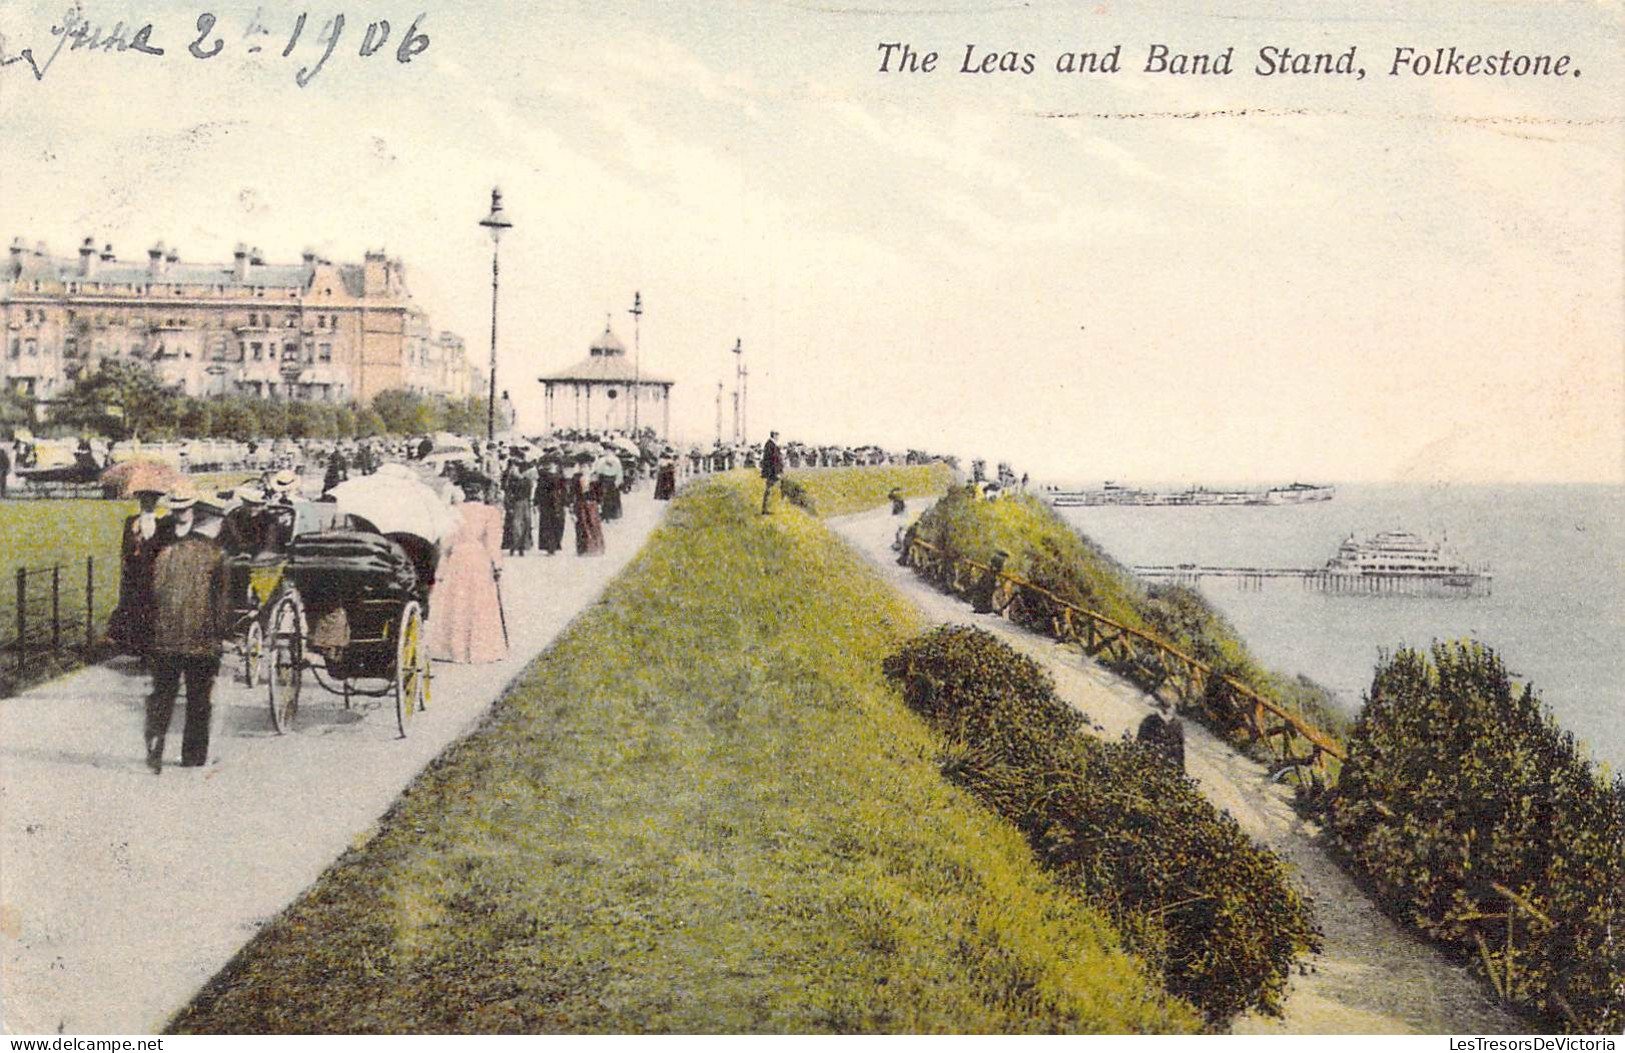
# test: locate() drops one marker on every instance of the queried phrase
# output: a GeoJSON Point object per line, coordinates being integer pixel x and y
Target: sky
{"type": "Point", "coordinates": [1133, 276]}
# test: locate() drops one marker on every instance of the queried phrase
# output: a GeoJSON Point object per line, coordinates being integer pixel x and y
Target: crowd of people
{"type": "Point", "coordinates": [507, 500]}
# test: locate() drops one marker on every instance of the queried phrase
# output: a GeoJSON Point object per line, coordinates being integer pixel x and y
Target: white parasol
{"type": "Point", "coordinates": [398, 503]}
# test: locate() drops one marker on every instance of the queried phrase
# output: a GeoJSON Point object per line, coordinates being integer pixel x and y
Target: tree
{"type": "Point", "coordinates": [120, 399]}
{"type": "Point", "coordinates": [16, 410]}
{"type": "Point", "coordinates": [236, 418]}
{"type": "Point", "coordinates": [368, 423]}
{"type": "Point", "coordinates": [406, 413]}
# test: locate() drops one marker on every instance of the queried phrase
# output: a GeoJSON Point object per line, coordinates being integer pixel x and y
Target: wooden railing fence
{"type": "Point", "coordinates": [1158, 667]}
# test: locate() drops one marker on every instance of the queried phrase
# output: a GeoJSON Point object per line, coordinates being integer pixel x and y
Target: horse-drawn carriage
{"type": "Point", "coordinates": [319, 588]}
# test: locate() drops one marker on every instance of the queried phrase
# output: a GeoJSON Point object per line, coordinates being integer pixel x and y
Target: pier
{"type": "Point", "coordinates": [1321, 579]}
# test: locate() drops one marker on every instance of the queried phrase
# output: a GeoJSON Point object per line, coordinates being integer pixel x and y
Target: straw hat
{"type": "Point", "coordinates": [285, 481]}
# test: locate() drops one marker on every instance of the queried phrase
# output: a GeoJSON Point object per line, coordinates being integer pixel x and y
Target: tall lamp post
{"type": "Point", "coordinates": [637, 368]}
{"type": "Point", "coordinates": [739, 390]}
{"type": "Point", "coordinates": [496, 223]}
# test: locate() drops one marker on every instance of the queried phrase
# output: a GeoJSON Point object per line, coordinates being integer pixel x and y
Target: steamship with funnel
{"type": "Point", "coordinates": [1395, 562]}
{"type": "Point", "coordinates": [1402, 562]}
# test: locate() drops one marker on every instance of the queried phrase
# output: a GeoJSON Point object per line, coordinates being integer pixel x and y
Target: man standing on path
{"type": "Point", "coordinates": [772, 468]}
{"type": "Point", "coordinates": [189, 619]}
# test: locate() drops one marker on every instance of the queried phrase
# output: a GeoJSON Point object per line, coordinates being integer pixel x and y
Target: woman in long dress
{"type": "Point", "coordinates": [607, 474]}
{"type": "Point", "coordinates": [144, 536]}
{"type": "Point", "coordinates": [666, 479]}
{"type": "Point", "coordinates": [589, 529]}
{"type": "Point", "coordinates": [552, 505]}
{"type": "Point", "coordinates": [465, 619]}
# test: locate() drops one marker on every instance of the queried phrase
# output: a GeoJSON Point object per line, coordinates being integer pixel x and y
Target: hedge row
{"type": "Point", "coordinates": [1210, 909]}
{"type": "Point", "coordinates": [1456, 783]}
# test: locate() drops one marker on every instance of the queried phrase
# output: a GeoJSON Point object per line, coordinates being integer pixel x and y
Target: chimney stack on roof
{"type": "Point", "coordinates": [17, 247]}
{"type": "Point", "coordinates": [107, 253]}
{"type": "Point", "coordinates": [255, 258]}
{"type": "Point", "coordinates": [310, 257]}
{"type": "Point", "coordinates": [239, 266]}
{"type": "Point", "coordinates": [155, 260]}
{"type": "Point", "coordinates": [173, 256]}
{"type": "Point", "coordinates": [87, 258]}
{"type": "Point", "coordinates": [40, 249]}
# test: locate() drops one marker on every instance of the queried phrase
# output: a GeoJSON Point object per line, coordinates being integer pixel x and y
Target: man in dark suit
{"type": "Point", "coordinates": [188, 621]}
{"type": "Point", "coordinates": [772, 468]}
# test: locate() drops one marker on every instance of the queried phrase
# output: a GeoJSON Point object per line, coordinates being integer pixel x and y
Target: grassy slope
{"type": "Point", "coordinates": [1046, 549]}
{"type": "Point", "coordinates": [702, 810]}
{"type": "Point", "coordinates": [839, 491]}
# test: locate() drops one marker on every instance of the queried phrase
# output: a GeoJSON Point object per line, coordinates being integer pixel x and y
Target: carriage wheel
{"type": "Point", "coordinates": [411, 667]}
{"type": "Point", "coordinates": [285, 653]}
{"type": "Point", "coordinates": [254, 655]}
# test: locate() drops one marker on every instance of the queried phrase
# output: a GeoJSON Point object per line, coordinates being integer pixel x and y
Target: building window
{"type": "Point", "coordinates": [258, 349]}
{"type": "Point", "coordinates": [16, 347]}
{"type": "Point", "coordinates": [326, 352]}
{"type": "Point", "coordinates": [31, 346]}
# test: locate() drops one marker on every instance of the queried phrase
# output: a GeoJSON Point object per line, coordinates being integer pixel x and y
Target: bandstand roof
{"type": "Point", "coordinates": [606, 363]}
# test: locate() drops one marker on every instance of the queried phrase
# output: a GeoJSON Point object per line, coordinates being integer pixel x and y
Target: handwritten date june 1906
{"type": "Point", "coordinates": [208, 39]}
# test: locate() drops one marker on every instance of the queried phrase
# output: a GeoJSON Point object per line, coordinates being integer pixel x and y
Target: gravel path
{"type": "Point", "coordinates": [1373, 977]}
{"type": "Point", "coordinates": [121, 893]}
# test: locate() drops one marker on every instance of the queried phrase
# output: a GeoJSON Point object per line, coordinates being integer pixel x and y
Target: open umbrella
{"type": "Point", "coordinates": [397, 504]}
{"type": "Point", "coordinates": [126, 479]}
{"type": "Point", "coordinates": [446, 442]}
{"type": "Point", "coordinates": [609, 465]}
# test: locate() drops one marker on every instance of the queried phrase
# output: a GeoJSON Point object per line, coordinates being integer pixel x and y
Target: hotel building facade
{"type": "Point", "coordinates": [313, 330]}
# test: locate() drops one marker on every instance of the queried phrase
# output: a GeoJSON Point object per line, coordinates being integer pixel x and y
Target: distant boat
{"type": "Point", "coordinates": [1390, 563]}
{"type": "Point", "coordinates": [1195, 497]}
{"type": "Point", "coordinates": [1399, 561]}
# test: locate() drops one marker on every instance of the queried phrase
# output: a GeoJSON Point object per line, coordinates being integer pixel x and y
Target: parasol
{"type": "Point", "coordinates": [446, 442]}
{"type": "Point", "coordinates": [126, 479]}
{"type": "Point", "coordinates": [397, 504]}
{"type": "Point", "coordinates": [609, 465]}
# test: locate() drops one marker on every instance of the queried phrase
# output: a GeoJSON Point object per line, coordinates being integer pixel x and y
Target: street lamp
{"type": "Point", "coordinates": [637, 370]}
{"type": "Point", "coordinates": [496, 223]}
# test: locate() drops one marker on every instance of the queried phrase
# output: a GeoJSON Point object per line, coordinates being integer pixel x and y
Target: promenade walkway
{"type": "Point", "coordinates": [122, 893]}
{"type": "Point", "coordinates": [1373, 977]}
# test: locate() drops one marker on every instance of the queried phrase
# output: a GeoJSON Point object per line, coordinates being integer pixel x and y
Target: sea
{"type": "Point", "coordinates": [1555, 612]}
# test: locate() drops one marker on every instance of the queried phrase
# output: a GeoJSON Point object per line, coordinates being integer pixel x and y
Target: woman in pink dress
{"type": "Point", "coordinates": [465, 620]}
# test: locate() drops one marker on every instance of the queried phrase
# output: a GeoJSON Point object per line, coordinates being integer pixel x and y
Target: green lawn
{"type": "Point", "coordinates": [702, 810]}
{"type": "Point", "coordinates": [42, 533]}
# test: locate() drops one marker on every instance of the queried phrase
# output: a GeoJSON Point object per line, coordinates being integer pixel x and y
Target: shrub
{"type": "Point", "coordinates": [1455, 783]}
{"type": "Point", "coordinates": [1213, 911]}
{"type": "Point", "coordinates": [797, 495]}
